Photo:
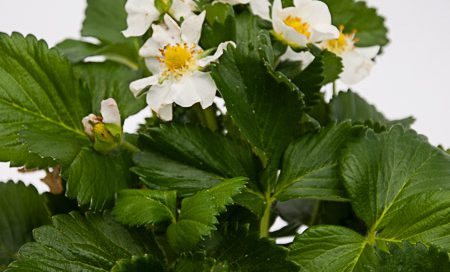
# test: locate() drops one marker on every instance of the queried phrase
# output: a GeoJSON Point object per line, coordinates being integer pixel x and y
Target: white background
{"type": "Point", "coordinates": [411, 78]}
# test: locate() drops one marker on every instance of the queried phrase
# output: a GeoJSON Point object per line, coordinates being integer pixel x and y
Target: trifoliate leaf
{"type": "Point", "coordinates": [262, 103]}
{"type": "Point", "coordinates": [356, 15]}
{"type": "Point", "coordinates": [187, 158]}
{"type": "Point", "coordinates": [143, 207]}
{"type": "Point", "coordinates": [41, 100]}
{"type": "Point", "coordinates": [79, 243]}
{"type": "Point", "coordinates": [105, 19]}
{"type": "Point", "coordinates": [138, 264]}
{"type": "Point", "coordinates": [110, 80]}
{"type": "Point", "coordinates": [397, 177]}
{"type": "Point", "coordinates": [349, 105]}
{"type": "Point", "coordinates": [94, 179]}
{"type": "Point", "coordinates": [330, 249]}
{"type": "Point", "coordinates": [198, 214]}
{"type": "Point", "coordinates": [21, 210]}
{"type": "Point", "coordinates": [412, 258]}
{"type": "Point", "coordinates": [310, 166]}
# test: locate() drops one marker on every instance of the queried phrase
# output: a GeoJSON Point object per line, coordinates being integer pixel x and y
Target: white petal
{"type": "Point", "coordinates": [298, 3]}
{"type": "Point", "coordinates": [369, 52]}
{"type": "Point", "coordinates": [87, 123]}
{"type": "Point", "coordinates": [191, 29]}
{"type": "Point", "coordinates": [151, 46]}
{"type": "Point", "coordinates": [314, 12]}
{"type": "Point", "coordinates": [180, 9]}
{"type": "Point", "coordinates": [153, 65]}
{"type": "Point", "coordinates": [141, 14]}
{"type": "Point", "coordinates": [261, 8]}
{"type": "Point", "coordinates": [219, 52]}
{"type": "Point", "coordinates": [139, 85]}
{"type": "Point", "coordinates": [198, 87]}
{"type": "Point", "coordinates": [323, 32]}
{"type": "Point", "coordinates": [277, 21]}
{"type": "Point", "coordinates": [172, 26]}
{"type": "Point", "coordinates": [356, 67]}
{"type": "Point", "coordinates": [160, 95]}
{"type": "Point", "coordinates": [234, 2]}
{"type": "Point", "coordinates": [305, 57]}
{"type": "Point", "coordinates": [206, 88]}
{"type": "Point", "coordinates": [110, 112]}
{"type": "Point", "coordinates": [165, 112]}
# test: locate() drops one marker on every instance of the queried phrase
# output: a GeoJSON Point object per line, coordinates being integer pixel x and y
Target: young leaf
{"type": "Point", "coordinates": [331, 248]}
{"type": "Point", "coordinates": [79, 243]}
{"type": "Point", "coordinates": [21, 210]}
{"type": "Point", "coordinates": [261, 102]}
{"type": "Point", "coordinates": [198, 214]}
{"type": "Point", "coordinates": [143, 207]}
{"type": "Point", "coordinates": [310, 166]}
{"type": "Point", "coordinates": [188, 158]}
{"type": "Point", "coordinates": [105, 19]}
{"type": "Point", "coordinates": [38, 88]}
{"type": "Point", "coordinates": [110, 80]}
{"type": "Point", "coordinates": [94, 179]}
{"type": "Point", "coordinates": [349, 105]}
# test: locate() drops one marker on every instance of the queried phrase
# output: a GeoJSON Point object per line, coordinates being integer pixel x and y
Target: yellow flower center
{"type": "Point", "coordinates": [342, 44]}
{"type": "Point", "coordinates": [299, 26]}
{"type": "Point", "coordinates": [178, 58]}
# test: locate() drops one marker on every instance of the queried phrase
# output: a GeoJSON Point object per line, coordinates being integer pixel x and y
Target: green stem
{"type": "Point", "coordinates": [315, 213]}
{"type": "Point", "coordinates": [334, 89]}
{"type": "Point", "coordinates": [265, 219]}
{"type": "Point", "coordinates": [128, 146]}
{"type": "Point", "coordinates": [210, 118]}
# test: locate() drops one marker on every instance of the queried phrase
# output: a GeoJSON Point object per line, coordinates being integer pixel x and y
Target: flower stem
{"type": "Point", "coordinates": [334, 89]}
{"type": "Point", "coordinates": [128, 146]}
{"type": "Point", "coordinates": [265, 219]}
{"type": "Point", "coordinates": [210, 118]}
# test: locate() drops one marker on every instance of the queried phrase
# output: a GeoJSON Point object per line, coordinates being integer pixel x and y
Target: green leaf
{"type": "Point", "coordinates": [261, 102]}
{"type": "Point", "coordinates": [188, 158]}
{"type": "Point", "coordinates": [76, 51]}
{"type": "Point", "coordinates": [310, 166]}
{"type": "Point", "coordinates": [38, 88]}
{"type": "Point", "coordinates": [395, 177]}
{"type": "Point", "coordinates": [21, 210]}
{"type": "Point", "coordinates": [142, 207]}
{"type": "Point", "coordinates": [349, 105]}
{"type": "Point", "coordinates": [356, 15]}
{"type": "Point", "coordinates": [94, 179]}
{"type": "Point", "coordinates": [198, 214]}
{"type": "Point", "coordinates": [110, 80]}
{"type": "Point", "coordinates": [220, 25]}
{"type": "Point", "coordinates": [330, 249]}
{"type": "Point", "coordinates": [104, 20]}
{"type": "Point", "coordinates": [79, 243]}
{"type": "Point", "coordinates": [138, 264]}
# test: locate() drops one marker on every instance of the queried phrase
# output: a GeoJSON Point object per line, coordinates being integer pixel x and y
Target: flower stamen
{"type": "Point", "coordinates": [344, 43]}
{"type": "Point", "coordinates": [178, 58]}
{"type": "Point", "coordinates": [298, 24]}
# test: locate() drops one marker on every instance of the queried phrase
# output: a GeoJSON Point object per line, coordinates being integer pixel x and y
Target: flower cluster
{"type": "Point", "coordinates": [179, 64]}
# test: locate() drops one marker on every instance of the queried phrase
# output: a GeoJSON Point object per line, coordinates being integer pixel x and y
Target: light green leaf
{"type": "Point", "coordinates": [188, 158]}
{"type": "Point", "coordinates": [41, 100]}
{"type": "Point", "coordinates": [310, 166]}
{"type": "Point", "coordinates": [79, 243]}
{"type": "Point", "coordinates": [21, 210]}
{"type": "Point", "coordinates": [349, 105]}
{"type": "Point", "coordinates": [331, 249]}
{"type": "Point", "coordinates": [382, 171]}
{"type": "Point", "coordinates": [198, 214]}
{"type": "Point", "coordinates": [105, 19]}
{"type": "Point", "coordinates": [110, 80]}
{"type": "Point", "coordinates": [262, 103]}
{"type": "Point", "coordinates": [138, 264]}
{"type": "Point", "coordinates": [94, 179]}
{"type": "Point", "coordinates": [356, 15]}
{"type": "Point", "coordinates": [142, 207]}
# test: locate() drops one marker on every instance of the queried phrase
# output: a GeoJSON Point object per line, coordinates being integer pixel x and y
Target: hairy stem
{"type": "Point", "coordinates": [128, 146]}
{"type": "Point", "coordinates": [265, 219]}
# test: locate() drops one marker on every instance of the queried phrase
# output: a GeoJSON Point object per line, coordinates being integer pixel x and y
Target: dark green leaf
{"type": "Point", "coordinates": [110, 80]}
{"type": "Point", "coordinates": [94, 179]}
{"type": "Point", "coordinates": [138, 264]}
{"type": "Point", "coordinates": [21, 210]}
{"type": "Point", "coordinates": [105, 19]}
{"type": "Point", "coordinates": [79, 243]}
{"type": "Point", "coordinates": [349, 105]}
{"type": "Point", "coordinates": [310, 166]}
{"type": "Point", "coordinates": [76, 51]}
{"type": "Point", "coordinates": [38, 88]}
{"type": "Point", "coordinates": [220, 25]}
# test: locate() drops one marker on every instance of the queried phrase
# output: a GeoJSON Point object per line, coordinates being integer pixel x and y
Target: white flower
{"type": "Point", "coordinates": [110, 115]}
{"type": "Point", "coordinates": [308, 21]}
{"type": "Point", "coordinates": [258, 7]}
{"type": "Point", "coordinates": [142, 13]}
{"type": "Point", "coordinates": [357, 62]}
{"type": "Point", "coordinates": [174, 57]}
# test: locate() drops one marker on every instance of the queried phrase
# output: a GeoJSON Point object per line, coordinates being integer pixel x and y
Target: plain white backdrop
{"type": "Point", "coordinates": [411, 78]}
